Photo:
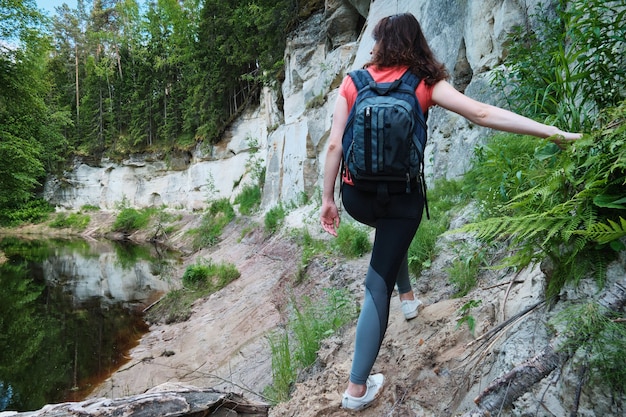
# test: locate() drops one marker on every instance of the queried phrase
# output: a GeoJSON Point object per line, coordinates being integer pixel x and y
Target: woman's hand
{"type": "Point", "coordinates": [563, 138]}
{"type": "Point", "coordinates": [329, 217]}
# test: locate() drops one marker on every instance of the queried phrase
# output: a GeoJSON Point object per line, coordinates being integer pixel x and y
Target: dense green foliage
{"type": "Point", "coordinates": [568, 66]}
{"type": "Point", "coordinates": [566, 205]}
{"type": "Point", "coordinates": [161, 75]}
{"type": "Point", "coordinates": [118, 77]}
{"type": "Point", "coordinates": [35, 211]}
{"type": "Point", "coordinates": [27, 144]}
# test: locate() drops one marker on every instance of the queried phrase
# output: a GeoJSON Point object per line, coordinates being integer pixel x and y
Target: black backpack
{"type": "Point", "coordinates": [385, 136]}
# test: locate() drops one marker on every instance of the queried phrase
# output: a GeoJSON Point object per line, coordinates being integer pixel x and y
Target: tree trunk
{"type": "Point", "coordinates": [504, 390]}
{"type": "Point", "coordinates": [76, 80]}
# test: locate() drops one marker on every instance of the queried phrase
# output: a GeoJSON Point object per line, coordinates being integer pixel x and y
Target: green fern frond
{"type": "Point", "coordinates": [605, 232]}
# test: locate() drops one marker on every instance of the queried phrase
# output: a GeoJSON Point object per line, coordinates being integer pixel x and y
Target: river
{"type": "Point", "coordinates": [70, 310]}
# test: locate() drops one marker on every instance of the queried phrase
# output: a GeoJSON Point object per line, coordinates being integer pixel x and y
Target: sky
{"type": "Point", "coordinates": [49, 5]}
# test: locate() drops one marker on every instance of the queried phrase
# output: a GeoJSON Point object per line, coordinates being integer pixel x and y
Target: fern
{"type": "Point", "coordinates": [605, 232]}
{"type": "Point", "coordinates": [570, 208]}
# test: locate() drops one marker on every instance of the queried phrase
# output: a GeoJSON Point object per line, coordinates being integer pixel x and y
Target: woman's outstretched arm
{"type": "Point", "coordinates": [494, 117]}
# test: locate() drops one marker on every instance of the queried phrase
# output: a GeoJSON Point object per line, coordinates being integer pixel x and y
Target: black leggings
{"type": "Point", "coordinates": [396, 218]}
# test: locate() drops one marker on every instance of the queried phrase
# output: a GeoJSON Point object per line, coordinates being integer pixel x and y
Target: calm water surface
{"type": "Point", "coordinates": [69, 313]}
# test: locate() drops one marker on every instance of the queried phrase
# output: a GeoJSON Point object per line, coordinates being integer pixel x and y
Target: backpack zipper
{"type": "Point", "coordinates": [368, 140]}
{"type": "Point", "coordinates": [408, 183]}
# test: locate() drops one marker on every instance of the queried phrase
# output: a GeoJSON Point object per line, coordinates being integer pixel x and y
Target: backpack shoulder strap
{"type": "Point", "coordinates": [413, 81]}
{"type": "Point", "coordinates": [410, 78]}
{"type": "Point", "coordinates": [361, 78]}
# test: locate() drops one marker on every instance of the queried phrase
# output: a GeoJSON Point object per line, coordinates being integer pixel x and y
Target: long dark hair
{"type": "Point", "coordinates": [401, 42]}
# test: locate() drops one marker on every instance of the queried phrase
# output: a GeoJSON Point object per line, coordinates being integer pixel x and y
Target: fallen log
{"type": "Point", "coordinates": [164, 401]}
{"type": "Point", "coordinates": [504, 390]}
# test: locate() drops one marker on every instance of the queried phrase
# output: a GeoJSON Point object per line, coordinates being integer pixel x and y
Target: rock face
{"type": "Point", "coordinates": [467, 36]}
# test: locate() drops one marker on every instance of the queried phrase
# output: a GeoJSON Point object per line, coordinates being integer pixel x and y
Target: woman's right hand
{"type": "Point", "coordinates": [329, 217]}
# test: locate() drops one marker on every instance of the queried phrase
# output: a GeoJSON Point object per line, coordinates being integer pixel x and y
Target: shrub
{"type": "Point", "coordinates": [598, 335]}
{"type": "Point", "coordinates": [249, 200]}
{"type": "Point", "coordinates": [209, 276]}
{"type": "Point", "coordinates": [130, 220]}
{"type": "Point", "coordinates": [274, 218]}
{"type": "Point", "coordinates": [199, 280]}
{"type": "Point", "coordinates": [220, 213]}
{"type": "Point", "coordinates": [352, 240]}
{"type": "Point", "coordinates": [195, 275]}
{"type": "Point", "coordinates": [34, 211]}
{"type": "Point", "coordinates": [571, 209]}
{"type": "Point", "coordinates": [76, 221]}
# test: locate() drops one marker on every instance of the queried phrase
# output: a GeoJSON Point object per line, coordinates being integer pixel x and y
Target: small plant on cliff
{"type": "Point", "coordinates": [466, 317]}
{"type": "Point", "coordinates": [220, 213]}
{"type": "Point", "coordinates": [274, 218]}
{"type": "Point", "coordinates": [597, 337]}
{"type": "Point", "coordinates": [249, 199]}
{"type": "Point", "coordinates": [352, 240]}
{"type": "Point", "coordinates": [207, 276]}
{"type": "Point", "coordinates": [464, 270]}
{"type": "Point", "coordinates": [255, 165]}
{"type": "Point", "coordinates": [199, 280]}
{"type": "Point", "coordinates": [295, 348]}
{"type": "Point", "coordinates": [311, 247]}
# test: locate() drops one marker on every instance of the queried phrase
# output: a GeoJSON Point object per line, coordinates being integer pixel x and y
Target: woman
{"type": "Point", "coordinates": [399, 45]}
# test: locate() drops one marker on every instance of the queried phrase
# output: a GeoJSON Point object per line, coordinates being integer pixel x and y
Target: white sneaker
{"type": "Point", "coordinates": [373, 385]}
{"type": "Point", "coordinates": [410, 308]}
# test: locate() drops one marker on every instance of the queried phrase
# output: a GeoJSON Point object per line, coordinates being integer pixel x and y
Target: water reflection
{"type": "Point", "coordinates": [69, 311]}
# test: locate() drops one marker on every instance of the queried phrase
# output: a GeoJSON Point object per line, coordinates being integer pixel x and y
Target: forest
{"type": "Point", "coordinates": [115, 77]}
